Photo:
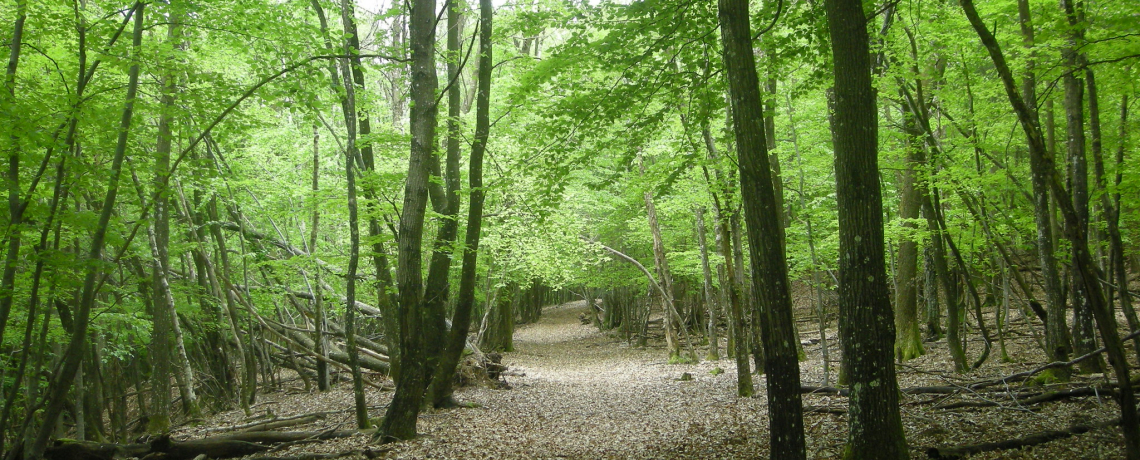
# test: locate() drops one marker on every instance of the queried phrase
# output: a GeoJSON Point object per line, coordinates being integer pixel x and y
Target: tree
{"type": "Point", "coordinates": [1083, 267]}
{"type": "Point", "coordinates": [76, 347]}
{"type": "Point", "coordinates": [1057, 345]}
{"type": "Point", "coordinates": [865, 317]}
{"type": "Point", "coordinates": [440, 388]}
{"type": "Point", "coordinates": [763, 211]}
{"type": "Point", "coordinates": [400, 419]}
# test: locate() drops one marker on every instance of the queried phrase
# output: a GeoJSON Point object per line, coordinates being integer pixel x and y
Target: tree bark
{"type": "Point", "coordinates": [874, 424]}
{"type": "Point", "coordinates": [440, 389]}
{"type": "Point", "coordinates": [1084, 339]}
{"type": "Point", "coordinates": [1112, 215]}
{"type": "Point", "coordinates": [15, 209]}
{"type": "Point", "coordinates": [765, 234]}
{"type": "Point", "coordinates": [437, 290]}
{"type": "Point", "coordinates": [734, 307]}
{"type": "Point", "coordinates": [661, 265]}
{"type": "Point", "coordinates": [706, 289]}
{"type": "Point", "coordinates": [318, 300]}
{"type": "Point", "coordinates": [353, 116]}
{"type": "Point", "coordinates": [1056, 336]}
{"type": "Point", "coordinates": [400, 419]}
{"type": "Point", "coordinates": [908, 340]}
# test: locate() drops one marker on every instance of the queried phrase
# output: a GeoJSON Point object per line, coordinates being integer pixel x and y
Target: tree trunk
{"type": "Point", "coordinates": [734, 305]}
{"type": "Point", "coordinates": [908, 340]}
{"type": "Point", "coordinates": [400, 419]}
{"type": "Point", "coordinates": [446, 204]}
{"type": "Point", "coordinates": [1056, 335]}
{"type": "Point", "coordinates": [354, 118]}
{"type": "Point", "coordinates": [318, 300]}
{"type": "Point", "coordinates": [15, 208]}
{"type": "Point", "coordinates": [440, 389]}
{"type": "Point", "coordinates": [1112, 215]}
{"type": "Point", "coordinates": [765, 234]}
{"type": "Point", "coordinates": [661, 265]}
{"type": "Point", "coordinates": [874, 424]}
{"type": "Point", "coordinates": [706, 289]}
{"type": "Point", "coordinates": [1084, 339]}
{"type": "Point", "coordinates": [816, 284]}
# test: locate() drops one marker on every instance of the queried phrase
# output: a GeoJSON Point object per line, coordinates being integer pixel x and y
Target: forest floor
{"type": "Point", "coordinates": [574, 392]}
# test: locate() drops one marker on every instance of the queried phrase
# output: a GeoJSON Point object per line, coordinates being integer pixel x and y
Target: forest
{"type": "Point", "coordinates": [315, 229]}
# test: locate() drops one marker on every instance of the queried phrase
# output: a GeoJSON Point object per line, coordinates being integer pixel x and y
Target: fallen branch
{"type": "Point", "coordinates": [273, 423]}
{"type": "Point", "coordinates": [668, 299]}
{"type": "Point", "coordinates": [1038, 398]}
{"type": "Point", "coordinates": [1031, 440]}
{"type": "Point", "coordinates": [1053, 365]}
{"type": "Point", "coordinates": [275, 437]}
{"type": "Point", "coordinates": [367, 453]}
{"type": "Point", "coordinates": [825, 410]}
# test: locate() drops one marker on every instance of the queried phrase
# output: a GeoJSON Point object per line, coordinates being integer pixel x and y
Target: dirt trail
{"type": "Point", "coordinates": [577, 393]}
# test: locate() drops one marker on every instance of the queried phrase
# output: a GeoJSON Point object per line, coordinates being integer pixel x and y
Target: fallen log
{"type": "Point", "coordinates": [161, 448]}
{"type": "Point", "coordinates": [271, 424]}
{"type": "Point", "coordinates": [956, 452]}
{"type": "Point", "coordinates": [68, 449]}
{"type": "Point", "coordinates": [217, 447]}
{"type": "Point", "coordinates": [275, 437]}
{"type": "Point", "coordinates": [210, 447]}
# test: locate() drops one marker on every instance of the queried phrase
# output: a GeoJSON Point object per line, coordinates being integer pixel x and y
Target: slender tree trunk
{"type": "Point", "coordinates": [816, 283]}
{"type": "Point", "coordinates": [874, 424]}
{"type": "Point", "coordinates": [226, 291]}
{"type": "Point", "coordinates": [734, 305]}
{"type": "Point", "coordinates": [15, 209]}
{"type": "Point", "coordinates": [1056, 335]}
{"type": "Point", "coordinates": [318, 299]}
{"type": "Point", "coordinates": [661, 265]}
{"type": "Point", "coordinates": [353, 116]}
{"type": "Point", "coordinates": [164, 313]}
{"type": "Point", "coordinates": [947, 277]}
{"type": "Point", "coordinates": [707, 289]}
{"type": "Point", "coordinates": [62, 380]}
{"type": "Point", "coordinates": [400, 419]}
{"type": "Point", "coordinates": [908, 340]}
{"type": "Point", "coordinates": [763, 211]}
{"type": "Point", "coordinates": [437, 290]}
{"type": "Point", "coordinates": [440, 390]}
{"type": "Point", "coordinates": [931, 306]}
{"type": "Point", "coordinates": [1084, 338]}
{"type": "Point", "coordinates": [1112, 212]}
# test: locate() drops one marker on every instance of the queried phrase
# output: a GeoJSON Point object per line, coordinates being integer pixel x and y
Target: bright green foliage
{"type": "Point", "coordinates": [582, 90]}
